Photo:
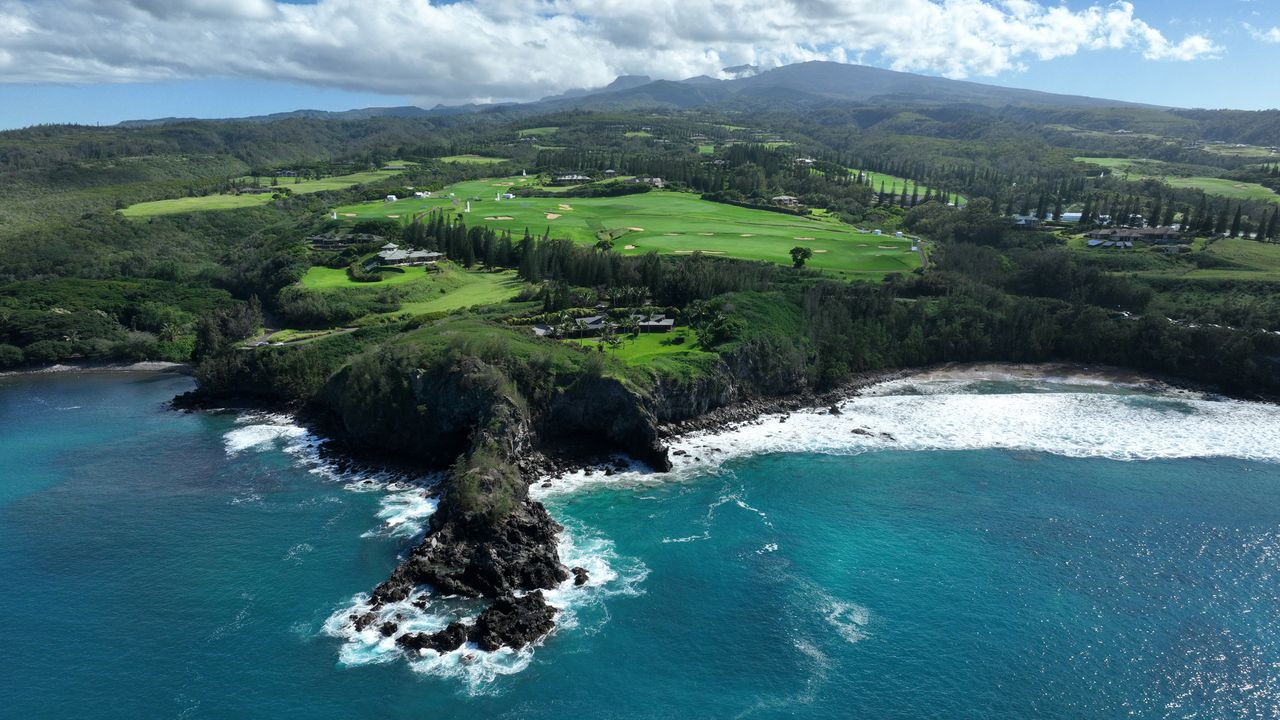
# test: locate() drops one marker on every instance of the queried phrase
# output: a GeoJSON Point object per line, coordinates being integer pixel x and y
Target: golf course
{"type": "Point", "coordinates": [233, 202]}
{"type": "Point", "coordinates": [1140, 169]}
{"type": "Point", "coordinates": [658, 221]}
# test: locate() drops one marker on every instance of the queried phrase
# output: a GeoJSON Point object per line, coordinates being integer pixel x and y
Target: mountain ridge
{"type": "Point", "coordinates": [813, 82]}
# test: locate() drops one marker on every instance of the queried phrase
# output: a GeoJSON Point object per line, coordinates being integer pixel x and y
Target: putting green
{"type": "Point", "coordinates": [660, 221]}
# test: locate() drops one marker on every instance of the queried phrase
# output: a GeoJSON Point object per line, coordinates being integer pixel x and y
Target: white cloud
{"type": "Point", "coordinates": [504, 49]}
{"type": "Point", "coordinates": [1270, 36]}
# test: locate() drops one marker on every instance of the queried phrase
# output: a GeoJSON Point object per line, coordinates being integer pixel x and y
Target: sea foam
{"type": "Point", "coordinates": [1070, 416]}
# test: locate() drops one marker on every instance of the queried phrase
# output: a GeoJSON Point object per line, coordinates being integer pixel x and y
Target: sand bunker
{"type": "Point", "coordinates": [503, 184]}
{"type": "Point", "coordinates": [672, 234]}
{"type": "Point", "coordinates": [804, 238]}
{"type": "Point", "coordinates": [347, 214]}
{"type": "Point", "coordinates": [565, 207]}
{"type": "Point", "coordinates": [707, 234]}
{"type": "Point", "coordinates": [821, 251]}
{"type": "Point", "coordinates": [500, 217]}
{"type": "Point", "coordinates": [748, 235]}
{"type": "Point", "coordinates": [552, 216]}
{"type": "Point", "coordinates": [396, 217]}
{"type": "Point", "coordinates": [636, 229]}
{"type": "Point", "coordinates": [886, 247]}
{"type": "Point", "coordinates": [704, 252]}
{"type": "Point", "coordinates": [629, 247]}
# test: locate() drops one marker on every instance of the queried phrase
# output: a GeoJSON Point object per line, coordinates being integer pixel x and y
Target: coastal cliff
{"type": "Point", "coordinates": [474, 415]}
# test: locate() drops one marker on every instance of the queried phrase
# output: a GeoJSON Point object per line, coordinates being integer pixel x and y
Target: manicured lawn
{"type": "Point", "coordinates": [323, 278]}
{"type": "Point", "coordinates": [638, 134]}
{"type": "Point", "coordinates": [539, 131]}
{"type": "Point", "coordinates": [1132, 169]}
{"type": "Point", "coordinates": [194, 204]}
{"type": "Point", "coordinates": [664, 222]}
{"type": "Point", "coordinates": [902, 184]}
{"type": "Point", "coordinates": [472, 288]}
{"type": "Point", "coordinates": [473, 160]}
{"type": "Point", "coordinates": [644, 348]}
{"type": "Point", "coordinates": [706, 149]}
{"type": "Point", "coordinates": [231, 202]}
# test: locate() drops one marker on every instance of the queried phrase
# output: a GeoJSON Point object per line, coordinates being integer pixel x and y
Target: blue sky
{"type": "Point", "coordinates": [88, 61]}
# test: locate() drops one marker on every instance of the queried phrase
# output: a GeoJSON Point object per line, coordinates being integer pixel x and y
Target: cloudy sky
{"type": "Point", "coordinates": [106, 60]}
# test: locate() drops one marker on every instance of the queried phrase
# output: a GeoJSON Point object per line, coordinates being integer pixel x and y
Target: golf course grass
{"type": "Point", "coordinates": [1130, 168]}
{"type": "Point", "coordinates": [660, 221]}
{"type": "Point", "coordinates": [233, 202]}
{"type": "Point", "coordinates": [473, 160]}
{"type": "Point", "coordinates": [450, 287]}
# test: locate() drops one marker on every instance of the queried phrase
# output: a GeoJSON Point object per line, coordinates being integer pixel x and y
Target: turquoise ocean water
{"type": "Point", "coordinates": [961, 548]}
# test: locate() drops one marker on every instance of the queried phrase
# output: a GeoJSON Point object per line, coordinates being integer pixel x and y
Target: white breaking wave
{"type": "Point", "coordinates": [259, 432]}
{"type": "Point", "coordinates": [1073, 417]}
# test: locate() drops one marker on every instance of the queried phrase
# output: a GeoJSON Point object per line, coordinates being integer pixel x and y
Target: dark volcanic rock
{"type": "Point", "coordinates": [596, 412]}
{"type": "Point", "coordinates": [475, 557]}
{"type": "Point", "coordinates": [580, 576]}
{"type": "Point", "coordinates": [446, 640]}
{"type": "Point", "coordinates": [388, 629]}
{"type": "Point", "coordinates": [513, 622]}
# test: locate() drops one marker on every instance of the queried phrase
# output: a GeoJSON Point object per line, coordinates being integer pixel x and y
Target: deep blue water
{"type": "Point", "coordinates": [155, 564]}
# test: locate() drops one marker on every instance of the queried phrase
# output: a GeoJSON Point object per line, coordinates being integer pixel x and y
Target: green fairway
{"type": "Point", "coordinates": [448, 288]}
{"type": "Point", "coordinates": [539, 131]}
{"type": "Point", "coordinates": [638, 134]}
{"type": "Point", "coordinates": [474, 160]}
{"type": "Point", "coordinates": [665, 222]}
{"type": "Point", "coordinates": [890, 182]}
{"type": "Point", "coordinates": [469, 289]}
{"type": "Point", "coordinates": [232, 202]}
{"type": "Point", "coordinates": [322, 278]}
{"type": "Point", "coordinates": [706, 149]}
{"type": "Point", "coordinates": [1133, 169]}
{"type": "Point", "coordinates": [194, 204]}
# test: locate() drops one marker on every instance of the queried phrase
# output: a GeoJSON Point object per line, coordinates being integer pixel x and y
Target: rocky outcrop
{"type": "Point", "coordinates": [476, 557]}
{"type": "Point", "coordinates": [510, 621]}
{"type": "Point", "coordinates": [598, 412]}
{"type": "Point", "coordinates": [514, 622]}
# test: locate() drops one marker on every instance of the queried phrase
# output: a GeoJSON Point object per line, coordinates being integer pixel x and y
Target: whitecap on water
{"type": "Point", "coordinates": [1072, 415]}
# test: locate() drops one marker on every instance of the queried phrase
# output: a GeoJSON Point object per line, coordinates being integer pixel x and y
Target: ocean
{"type": "Point", "coordinates": [964, 545]}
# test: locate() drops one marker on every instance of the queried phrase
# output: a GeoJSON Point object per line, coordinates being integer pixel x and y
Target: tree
{"type": "Point", "coordinates": [799, 255]}
{"type": "Point", "coordinates": [1235, 223]}
{"type": "Point", "coordinates": [1272, 228]}
{"type": "Point", "coordinates": [604, 244]}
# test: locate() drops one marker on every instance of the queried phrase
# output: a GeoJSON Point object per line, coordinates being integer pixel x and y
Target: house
{"type": "Point", "coordinates": [392, 198]}
{"type": "Point", "coordinates": [508, 196]}
{"type": "Point", "coordinates": [1071, 217]}
{"type": "Point", "coordinates": [256, 191]}
{"type": "Point", "coordinates": [807, 162]}
{"type": "Point", "coordinates": [1026, 222]}
{"type": "Point", "coordinates": [654, 323]}
{"type": "Point", "coordinates": [1157, 235]}
{"type": "Point", "coordinates": [570, 179]}
{"type": "Point", "coordinates": [396, 257]}
{"type": "Point", "coordinates": [395, 167]}
{"type": "Point", "coordinates": [610, 173]}
{"type": "Point", "coordinates": [785, 200]}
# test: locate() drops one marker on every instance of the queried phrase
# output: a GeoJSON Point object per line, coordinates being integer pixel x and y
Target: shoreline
{"type": "Point", "coordinates": [145, 366]}
{"type": "Point", "coordinates": [751, 411]}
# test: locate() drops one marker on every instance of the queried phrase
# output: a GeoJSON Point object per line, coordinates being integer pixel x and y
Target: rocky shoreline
{"type": "Point", "coordinates": [488, 538]}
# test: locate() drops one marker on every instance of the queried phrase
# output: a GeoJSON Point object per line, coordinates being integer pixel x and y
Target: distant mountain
{"type": "Point", "coordinates": [799, 84]}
